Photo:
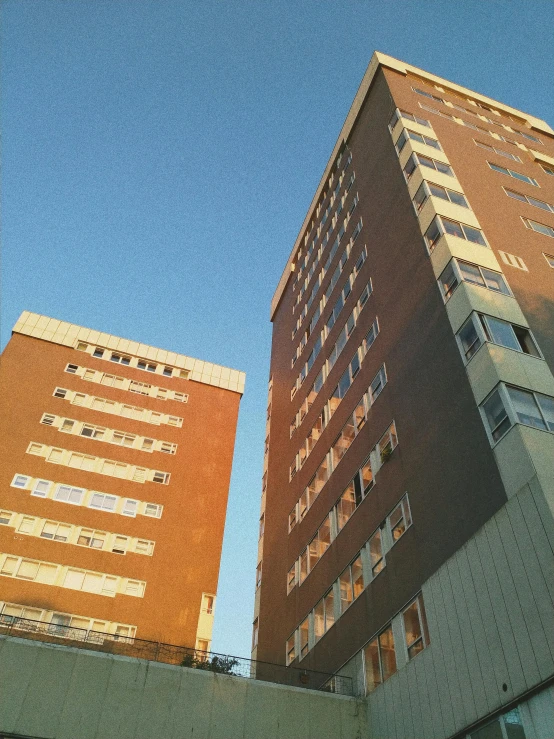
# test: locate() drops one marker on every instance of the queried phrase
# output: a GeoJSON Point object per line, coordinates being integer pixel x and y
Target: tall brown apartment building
{"type": "Point", "coordinates": [114, 481]}
{"type": "Point", "coordinates": [407, 531]}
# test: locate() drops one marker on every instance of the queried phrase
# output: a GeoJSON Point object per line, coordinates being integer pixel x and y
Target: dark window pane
{"type": "Point", "coordinates": [526, 408]}
{"type": "Point", "coordinates": [469, 339]}
{"type": "Point", "coordinates": [453, 228]}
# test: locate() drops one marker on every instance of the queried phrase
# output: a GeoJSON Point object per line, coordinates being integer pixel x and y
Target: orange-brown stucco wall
{"type": "Point", "coordinates": [188, 536]}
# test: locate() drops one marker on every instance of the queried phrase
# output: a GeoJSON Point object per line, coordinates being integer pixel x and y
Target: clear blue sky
{"type": "Point", "coordinates": [159, 157]}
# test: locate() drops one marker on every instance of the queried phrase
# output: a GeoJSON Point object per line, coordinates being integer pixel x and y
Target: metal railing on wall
{"type": "Point", "coordinates": [173, 654]}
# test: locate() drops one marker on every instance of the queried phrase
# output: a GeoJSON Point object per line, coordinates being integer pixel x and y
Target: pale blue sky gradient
{"type": "Point", "coordinates": [159, 157]}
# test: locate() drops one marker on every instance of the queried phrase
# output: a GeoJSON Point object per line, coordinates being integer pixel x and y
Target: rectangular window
{"type": "Point", "coordinates": [120, 358]}
{"type": "Point", "coordinates": [497, 418]}
{"type": "Point", "coordinates": [379, 659]}
{"type": "Point", "coordinates": [459, 271]}
{"type": "Point", "coordinates": [512, 173]}
{"type": "Point", "coordinates": [550, 259]}
{"type": "Point", "coordinates": [304, 638]}
{"type": "Point", "coordinates": [41, 488]}
{"type": "Point", "coordinates": [346, 506]}
{"type": "Point", "coordinates": [291, 649]}
{"type": "Point", "coordinates": [130, 507]}
{"type": "Point", "coordinates": [415, 627]}
{"type": "Point", "coordinates": [346, 590]}
{"type": "Point", "coordinates": [291, 578]}
{"type": "Point", "coordinates": [407, 134]}
{"type": "Point", "coordinates": [400, 519]}
{"type": "Point", "coordinates": [5, 518]}
{"type": "Point", "coordinates": [377, 384]}
{"type": "Point", "coordinates": [501, 152]}
{"type": "Point", "coordinates": [527, 199]}
{"type": "Point", "coordinates": [20, 481]}
{"type": "Point", "coordinates": [103, 501]}
{"type": "Point", "coordinates": [408, 117]}
{"type": "Point", "coordinates": [539, 227]}
{"type": "Point", "coordinates": [68, 494]}
{"type": "Point", "coordinates": [153, 510]}
{"type": "Point", "coordinates": [72, 368]}
{"type": "Point", "coordinates": [424, 161]}
{"type": "Point", "coordinates": [161, 477]}
{"type": "Point", "coordinates": [441, 225]}
{"type": "Point", "coordinates": [427, 189]}
{"type": "Point", "coordinates": [376, 555]}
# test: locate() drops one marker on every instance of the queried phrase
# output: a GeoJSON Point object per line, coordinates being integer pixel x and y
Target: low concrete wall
{"type": "Point", "coordinates": [56, 692]}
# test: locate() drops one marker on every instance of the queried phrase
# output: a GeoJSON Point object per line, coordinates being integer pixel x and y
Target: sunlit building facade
{"type": "Point", "coordinates": [406, 530]}
{"type": "Point", "coordinates": [116, 461]}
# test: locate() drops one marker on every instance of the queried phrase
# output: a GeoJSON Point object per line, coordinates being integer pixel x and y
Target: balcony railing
{"type": "Point", "coordinates": [172, 654]}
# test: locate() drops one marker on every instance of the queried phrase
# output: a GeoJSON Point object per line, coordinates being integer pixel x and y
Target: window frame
{"type": "Point", "coordinates": [513, 174]}
{"type": "Point", "coordinates": [453, 264]}
{"type": "Point", "coordinates": [480, 322]}
{"type": "Point", "coordinates": [502, 391]}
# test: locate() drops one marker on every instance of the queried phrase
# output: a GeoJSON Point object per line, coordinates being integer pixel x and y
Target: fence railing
{"type": "Point", "coordinates": [173, 654]}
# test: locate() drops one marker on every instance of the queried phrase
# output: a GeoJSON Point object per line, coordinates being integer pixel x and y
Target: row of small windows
{"type": "Point", "coordinates": [346, 380]}
{"type": "Point", "coordinates": [110, 436]}
{"type": "Point", "coordinates": [379, 455]}
{"type": "Point", "coordinates": [527, 199]}
{"type": "Point", "coordinates": [107, 502]}
{"type": "Point", "coordinates": [378, 544]}
{"type": "Point", "coordinates": [124, 383]}
{"type": "Point", "coordinates": [466, 99]}
{"type": "Point", "coordinates": [508, 405]}
{"type": "Point", "coordinates": [496, 150]}
{"type": "Point", "coordinates": [318, 282]}
{"type": "Point", "coordinates": [51, 573]}
{"type": "Point", "coordinates": [509, 155]}
{"type": "Point", "coordinates": [397, 643]}
{"type": "Point", "coordinates": [59, 624]}
{"type": "Point", "coordinates": [401, 640]}
{"type": "Point", "coordinates": [78, 535]}
{"type": "Point", "coordinates": [305, 252]}
{"type": "Point", "coordinates": [349, 326]}
{"type": "Point", "coordinates": [410, 166]}
{"type": "Point", "coordinates": [315, 317]}
{"type": "Point", "coordinates": [345, 292]}
{"type": "Point", "coordinates": [331, 286]}
{"type": "Point", "coordinates": [104, 405]}
{"type": "Point", "coordinates": [514, 174]}
{"type": "Point", "coordinates": [325, 238]}
{"type": "Point", "coordinates": [97, 464]}
{"type": "Point", "coordinates": [438, 99]}
{"type": "Point", "coordinates": [130, 361]}
{"type": "Point", "coordinates": [481, 129]}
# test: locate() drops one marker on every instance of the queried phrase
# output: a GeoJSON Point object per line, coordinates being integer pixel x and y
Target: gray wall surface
{"type": "Point", "coordinates": [55, 692]}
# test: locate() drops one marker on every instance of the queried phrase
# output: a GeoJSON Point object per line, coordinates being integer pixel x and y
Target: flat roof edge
{"type": "Point", "coordinates": [68, 334]}
{"type": "Point", "coordinates": [383, 60]}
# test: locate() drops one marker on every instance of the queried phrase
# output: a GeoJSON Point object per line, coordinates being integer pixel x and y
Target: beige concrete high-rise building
{"type": "Point", "coordinates": [407, 519]}
{"type": "Point", "coordinates": [116, 461]}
